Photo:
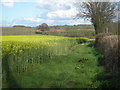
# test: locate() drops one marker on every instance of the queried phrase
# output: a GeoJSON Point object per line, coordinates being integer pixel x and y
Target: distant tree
{"type": "Point", "coordinates": [43, 27]}
{"type": "Point", "coordinates": [99, 13]}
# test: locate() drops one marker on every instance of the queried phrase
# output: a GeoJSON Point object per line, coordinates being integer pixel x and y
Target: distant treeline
{"type": "Point", "coordinates": [21, 26]}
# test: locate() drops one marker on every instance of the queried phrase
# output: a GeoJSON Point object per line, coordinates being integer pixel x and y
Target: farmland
{"type": "Point", "coordinates": [78, 30]}
{"type": "Point", "coordinates": [57, 56]}
{"type": "Point", "coordinates": [63, 57]}
{"type": "Point", "coordinates": [59, 44]}
{"type": "Point", "coordinates": [17, 31]}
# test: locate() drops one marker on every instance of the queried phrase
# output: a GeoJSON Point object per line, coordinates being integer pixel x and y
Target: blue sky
{"type": "Point", "coordinates": [35, 12]}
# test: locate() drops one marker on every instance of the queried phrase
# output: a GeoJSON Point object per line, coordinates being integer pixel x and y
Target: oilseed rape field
{"type": "Point", "coordinates": [20, 53]}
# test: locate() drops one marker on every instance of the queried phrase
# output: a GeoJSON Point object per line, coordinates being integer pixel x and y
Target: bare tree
{"type": "Point", "coordinates": [99, 13]}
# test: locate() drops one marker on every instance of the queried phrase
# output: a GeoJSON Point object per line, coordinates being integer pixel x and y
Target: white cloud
{"type": "Point", "coordinates": [58, 8]}
{"type": "Point", "coordinates": [49, 4]}
{"type": "Point", "coordinates": [54, 5]}
{"type": "Point", "coordinates": [62, 13]}
{"type": "Point", "coordinates": [33, 19]}
{"type": "Point", "coordinates": [10, 3]}
{"type": "Point", "coordinates": [38, 21]}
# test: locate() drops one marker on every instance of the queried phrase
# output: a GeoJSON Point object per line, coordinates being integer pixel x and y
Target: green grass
{"type": "Point", "coordinates": [64, 71]}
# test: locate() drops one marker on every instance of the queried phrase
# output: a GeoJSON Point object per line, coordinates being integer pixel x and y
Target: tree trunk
{"type": "Point", "coordinates": [96, 29]}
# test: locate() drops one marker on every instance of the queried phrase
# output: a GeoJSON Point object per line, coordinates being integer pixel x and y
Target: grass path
{"type": "Point", "coordinates": [70, 71]}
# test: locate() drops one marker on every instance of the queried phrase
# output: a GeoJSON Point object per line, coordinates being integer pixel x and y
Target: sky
{"type": "Point", "coordinates": [35, 12]}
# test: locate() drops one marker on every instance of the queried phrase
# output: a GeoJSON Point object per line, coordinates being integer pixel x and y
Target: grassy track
{"type": "Point", "coordinates": [65, 71]}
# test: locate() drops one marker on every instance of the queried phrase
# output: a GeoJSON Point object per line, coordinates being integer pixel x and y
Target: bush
{"type": "Point", "coordinates": [111, 53]}
{"type": "Point", "coordinates": [108, 44]}
{"type": "Point", "coordinates": [99, 40]}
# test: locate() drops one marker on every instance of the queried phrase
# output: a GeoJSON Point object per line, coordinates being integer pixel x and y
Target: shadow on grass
{"type": "Point", "coordinates": [108, 80]}
{"type": "Point", "coordinates": [11, 82]}
{"type": "Point", "coordinates": [90, 45]}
